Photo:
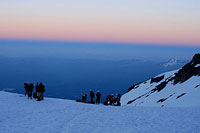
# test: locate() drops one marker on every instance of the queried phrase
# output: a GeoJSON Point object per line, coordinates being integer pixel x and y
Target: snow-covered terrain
{"type": "Point", "coordinates": [21, 115]}
{"type": "Point", "coordinates": [170, 104]}
{"type": "Point", "coordinates": [190, 89]}
{"type": "Point", "coordinates": [180, 88]}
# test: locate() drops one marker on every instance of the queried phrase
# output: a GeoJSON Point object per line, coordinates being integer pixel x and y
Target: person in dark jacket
{"type": "Point", "coordinates": [98, 97]}
{"type": "Point", "coordinates": [26, 88]}
{"type": "Point", "coordinates": [42, 87]}
{"type": "Point", "coordinates": [111, 98]}
{"type": "Point", "coordinates": [37, 90]}
{"type": "Point", "coordinates": [40, 92]}
{"type": "Point", "coordinates": [92, 96]}
{"type": "Point", "coordinates": [30, 90]}
{"type": "Point", "coordinates": [118, 100]}
{"type": "Point", "coordinates": [84, 98]}
{"type": "Point", "coordinates": [107, 99]}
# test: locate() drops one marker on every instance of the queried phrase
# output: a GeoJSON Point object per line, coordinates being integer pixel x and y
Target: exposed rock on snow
{"type": "Point", "coordinates": [180, 95]}
{"type": "Point", "coordinates": [188, 70]}
{"type": "Point", "coordinates": [157, 79]}
{"type": "Point", "coordinates": [134, 87]}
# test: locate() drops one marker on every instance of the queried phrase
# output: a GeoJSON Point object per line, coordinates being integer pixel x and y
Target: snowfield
{"type": "Point", "coordinates": [21, 115]}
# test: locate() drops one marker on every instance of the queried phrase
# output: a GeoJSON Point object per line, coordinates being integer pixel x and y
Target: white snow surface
{"type": "Point", "coordinates": [191, 88]}
{"type": "Point", "coordinates": [21, 115]}
{"type": "Point", "coordinates": [198, 65]}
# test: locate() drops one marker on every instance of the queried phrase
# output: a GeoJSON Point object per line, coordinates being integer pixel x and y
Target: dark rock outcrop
{"type": "Point", "coordinates": [197, 71]}
{"type": "Point", "coordinates": [131, 101]}
{"type": "Point", "coordinates": [180, 95]}
{"type": "Point", "coordinates": [161, 100]}
{"type": "Point", "coordinates": [197, 86]}
{"type": "Point", "coordinates": [157, 79]}
{"type": "Point", "coordinates": [134, 87]}
{"type": "Point", "coordinates": [160, 86]}
{"type": "Point", "coordinates": [188, 70]}
{"type": "Point", "coordinates": [195, 60]}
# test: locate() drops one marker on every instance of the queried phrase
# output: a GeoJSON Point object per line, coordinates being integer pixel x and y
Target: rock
{"type": "Point", "coordinates": [180, 95]}
{"type": "Point", "coordinates": [157, 79]}
{"type": "Point", "coordinates": [195, 60]}
{"type": "Point", "coordinates": [160, 86]}
{"type": "Point", "coordinates": [161, 100]}
{"type": "Point", "coordinates": [197, 86]}
{"type": "Point", "coordinates": [131, 101]}
{"type": "Point", "coordinates": [197, 72]}
{"type": "Point", "coordinates": [188, 70]}
{"type": "Point", "coordinates": [134, 87]}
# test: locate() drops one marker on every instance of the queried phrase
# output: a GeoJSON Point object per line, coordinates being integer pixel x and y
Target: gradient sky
{"type": "Point", "coordinates": [173, 22]}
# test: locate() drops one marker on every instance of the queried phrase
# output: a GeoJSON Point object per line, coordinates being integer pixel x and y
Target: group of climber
{"type": "Point", "coordinates": [92, 95]}
{"type": "Point", "coordinates": [39, 91]}
{"type": "Point", "coordinates": [110, 100]}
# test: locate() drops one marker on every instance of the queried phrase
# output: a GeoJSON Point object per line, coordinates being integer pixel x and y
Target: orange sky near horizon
{"type": "Point", "coordinates": [162, 22]}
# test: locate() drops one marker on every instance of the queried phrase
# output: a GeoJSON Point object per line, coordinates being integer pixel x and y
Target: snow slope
{"type": "Point", "coordinates": [190, 88]}
{"type": "Point", "coordinates": [179, 88]}
{"type": "Point", "coordinates": [21, 115]}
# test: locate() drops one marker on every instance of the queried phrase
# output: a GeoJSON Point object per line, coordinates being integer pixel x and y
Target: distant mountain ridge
{"type": "Point", "coordinates": [171, 62]}
{"type": "Point", "coordinates": [174, 62]}
{"type": "Point", "coordinates": [175, 88]}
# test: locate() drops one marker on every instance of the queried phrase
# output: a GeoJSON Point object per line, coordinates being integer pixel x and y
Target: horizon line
{"type": "Point", "coordinates": [102, 42]}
